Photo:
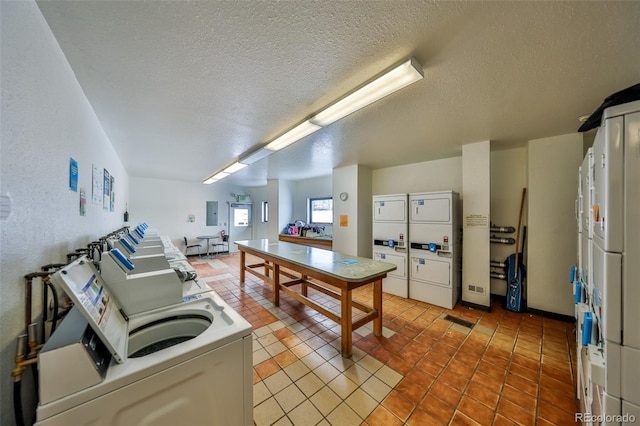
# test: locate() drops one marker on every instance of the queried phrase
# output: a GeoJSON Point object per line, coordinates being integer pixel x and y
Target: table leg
{"type": "Point", "coordinates": [276, 284]}
{"type": "Point", "coordinates": [346, 323]}
{"type": "Point", "coordinates": [305, 289]}
{"type": "Point", "coordinates": [243, 256]}
{"type": "Point", "coordinates": [377, 305]}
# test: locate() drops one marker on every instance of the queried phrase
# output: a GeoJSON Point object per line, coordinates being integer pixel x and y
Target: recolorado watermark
{"type": "Point", "coordinates": [604, 418]}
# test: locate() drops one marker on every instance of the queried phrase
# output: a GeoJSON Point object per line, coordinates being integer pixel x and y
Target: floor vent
{"type": "Point", "coordinates": [459, 321]}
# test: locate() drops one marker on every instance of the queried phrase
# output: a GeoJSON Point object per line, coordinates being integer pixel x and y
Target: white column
{"type": "Point", "coordinates": [551, 216]}
{"type": "Point", "coordinates": [352, 217]}
{"type": "Point", "coordinates": [476, 206]}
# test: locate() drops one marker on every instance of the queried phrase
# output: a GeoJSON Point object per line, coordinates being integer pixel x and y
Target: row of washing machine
{"type": "Point", "coordinates": [606, 284]}
{"type": "Point", "coordinates": [420, 233]}
{"type": "Point", "coordinates": [142, 347]}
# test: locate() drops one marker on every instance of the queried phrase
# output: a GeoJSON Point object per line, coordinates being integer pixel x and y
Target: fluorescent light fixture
{"type": "Point", "coordinates": [216, 177]}
{"type": "Point", "coordinates": [220, 175]}
{"type": "Point", "coordinates": [398, 77]}
{"type": "Point", "coordinates": [234, 167]}
{"type": "Point", "coordinates": [390, 82]}
{"type": "Point", "coordinates": [223, 174]}
{"type": "Point", "coordinates": [256, 155]}
{"type": "Point", "coordinates": [300, 131]}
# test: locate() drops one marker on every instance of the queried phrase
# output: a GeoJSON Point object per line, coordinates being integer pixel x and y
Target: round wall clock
{"type": "Point", "coordinates": [344, 196]}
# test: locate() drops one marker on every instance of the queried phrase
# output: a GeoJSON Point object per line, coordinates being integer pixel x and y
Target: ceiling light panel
{"type": "Point", "coordinates": [255, 156]}
{"type": "Point", "coordinates": [300, 131]}
{"type": "Point", "coordinates": [390, 82]}
{"type": "Point", "coordinates": [220, 175]}
{"type": "Point", "coordinates": [234, 167]}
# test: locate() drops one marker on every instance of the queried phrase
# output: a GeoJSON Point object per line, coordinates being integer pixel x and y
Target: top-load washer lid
{"type": "Point", "coordinates": [84, 285]}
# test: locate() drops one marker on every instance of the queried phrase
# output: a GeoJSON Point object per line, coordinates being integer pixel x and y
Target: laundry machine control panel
{"type": "Point", "coordinates": [75, 344]}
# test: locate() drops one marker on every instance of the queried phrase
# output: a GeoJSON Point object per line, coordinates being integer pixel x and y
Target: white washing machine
{"type": "Point", "coordinates": [140, 285]}
{"type": "Point", "coordinates": [189, 363]}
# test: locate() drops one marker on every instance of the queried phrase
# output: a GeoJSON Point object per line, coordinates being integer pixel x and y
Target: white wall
{"type": "Point", "coordinates": [508, 177]}
{"type": "Point", "coordinates": [289, 206]}
{"type": "Point", "coordinates": [553, 164]}
{"type": "Point", "coordinates": [438, 175]}
{"type": "Point", "coordinates": [345, 234]}
{"type": "Point", "coordinates": [309, 188]}
{"type": "Point", "coordinates": [260, 194]}
{"type": "Point", "coordinates": [476, 192]}
{"type": "Point", "coordinates": [46, 119]}
{"type": "Point", "coordinates": [365, 212]}
{"type": "Point", "coordinates": [167, 204]}
{"type": "Point", "coordinates": [280, 194]}
{"type": "Point", "coordinates": [354, 235]}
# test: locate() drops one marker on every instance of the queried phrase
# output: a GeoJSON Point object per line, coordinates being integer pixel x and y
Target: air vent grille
{"type": "Point", "coordinates": [459, 321]}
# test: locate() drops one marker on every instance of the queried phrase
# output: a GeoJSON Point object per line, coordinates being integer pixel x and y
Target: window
{"type": "Point", "coordinates": [265, 211]}
{"type": "Point", "coordinates": [321, 210]}
{"type": "Point", "coordinates": [241, 217]}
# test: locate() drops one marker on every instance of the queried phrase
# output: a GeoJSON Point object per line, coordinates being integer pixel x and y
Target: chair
{"type": "Point", "coordinates": [224, 241]}
{"type": "Point", "coordinates": [190, 246]}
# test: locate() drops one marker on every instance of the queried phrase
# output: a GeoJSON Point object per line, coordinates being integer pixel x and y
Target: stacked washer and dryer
{"type": "Point", "coordinates": [420, 234]}
{"type": "Point", "coordinates": [187, 361]}
{"type": "Point", "coordinates": [435, 252]}
{"type": "Point", "coordinates": [607, 289]}
{"type": "Point", "coordinates": [390, 231]}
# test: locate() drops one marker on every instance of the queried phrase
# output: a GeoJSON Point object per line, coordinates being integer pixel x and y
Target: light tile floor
{"type": "Point", "coordinates": [507, 369]}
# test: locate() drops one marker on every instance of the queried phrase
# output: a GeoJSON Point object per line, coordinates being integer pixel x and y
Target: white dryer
{"type": "Point", "coordinates": [435, 248]}
{"type": "Point", "coordinates": [189, 363]}
{"type": "Point", "coordinates": [390, 233]}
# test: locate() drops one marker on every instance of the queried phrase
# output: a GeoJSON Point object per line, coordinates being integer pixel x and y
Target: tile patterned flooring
{"type": "Point", "coordinates": [507, 369]}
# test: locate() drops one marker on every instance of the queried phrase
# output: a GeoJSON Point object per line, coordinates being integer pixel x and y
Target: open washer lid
{"type": "Point", "coordinates": [84, 285]}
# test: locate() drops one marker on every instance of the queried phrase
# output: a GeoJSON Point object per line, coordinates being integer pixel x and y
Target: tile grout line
{"type": "Point", "coordinates": [400, 319]}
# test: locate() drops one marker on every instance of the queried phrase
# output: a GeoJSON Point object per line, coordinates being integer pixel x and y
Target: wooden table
{"type": "Point", "coordinates": [342, 272]}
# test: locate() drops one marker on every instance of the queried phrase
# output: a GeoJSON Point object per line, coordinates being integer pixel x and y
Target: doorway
{"type": "Point", "coordinates": [240, 223]}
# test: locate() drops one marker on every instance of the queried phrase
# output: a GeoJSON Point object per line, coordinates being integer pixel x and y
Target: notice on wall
{"type": "Point", "coordinates": [83, 202]}
{"type": "Point", "coordinates": [73, 175]}
{"type": "Point", "coordinates": [344, 220]}
{"type": "Point", "coordinates": [476, 220]}
{"type": "Point", "coordinates": [106, 187]}
{"type": "Point", "coordinates": [96, 185]}
{"type": "Point", "coordinates": [112, 198]}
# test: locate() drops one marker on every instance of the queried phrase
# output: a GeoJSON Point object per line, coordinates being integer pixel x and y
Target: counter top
{"type": "Point", "coordinates": [317, 237]}
{"type": "Point", "coordinates": [324, 241]}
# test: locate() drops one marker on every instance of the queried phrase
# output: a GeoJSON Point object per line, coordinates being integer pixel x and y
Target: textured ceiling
{"type": "Point", "coordinates": [183, 88]}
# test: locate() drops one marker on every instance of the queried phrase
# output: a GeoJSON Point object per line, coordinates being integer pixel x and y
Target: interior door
{"type": "Point", "coordinates": [240, 224]}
